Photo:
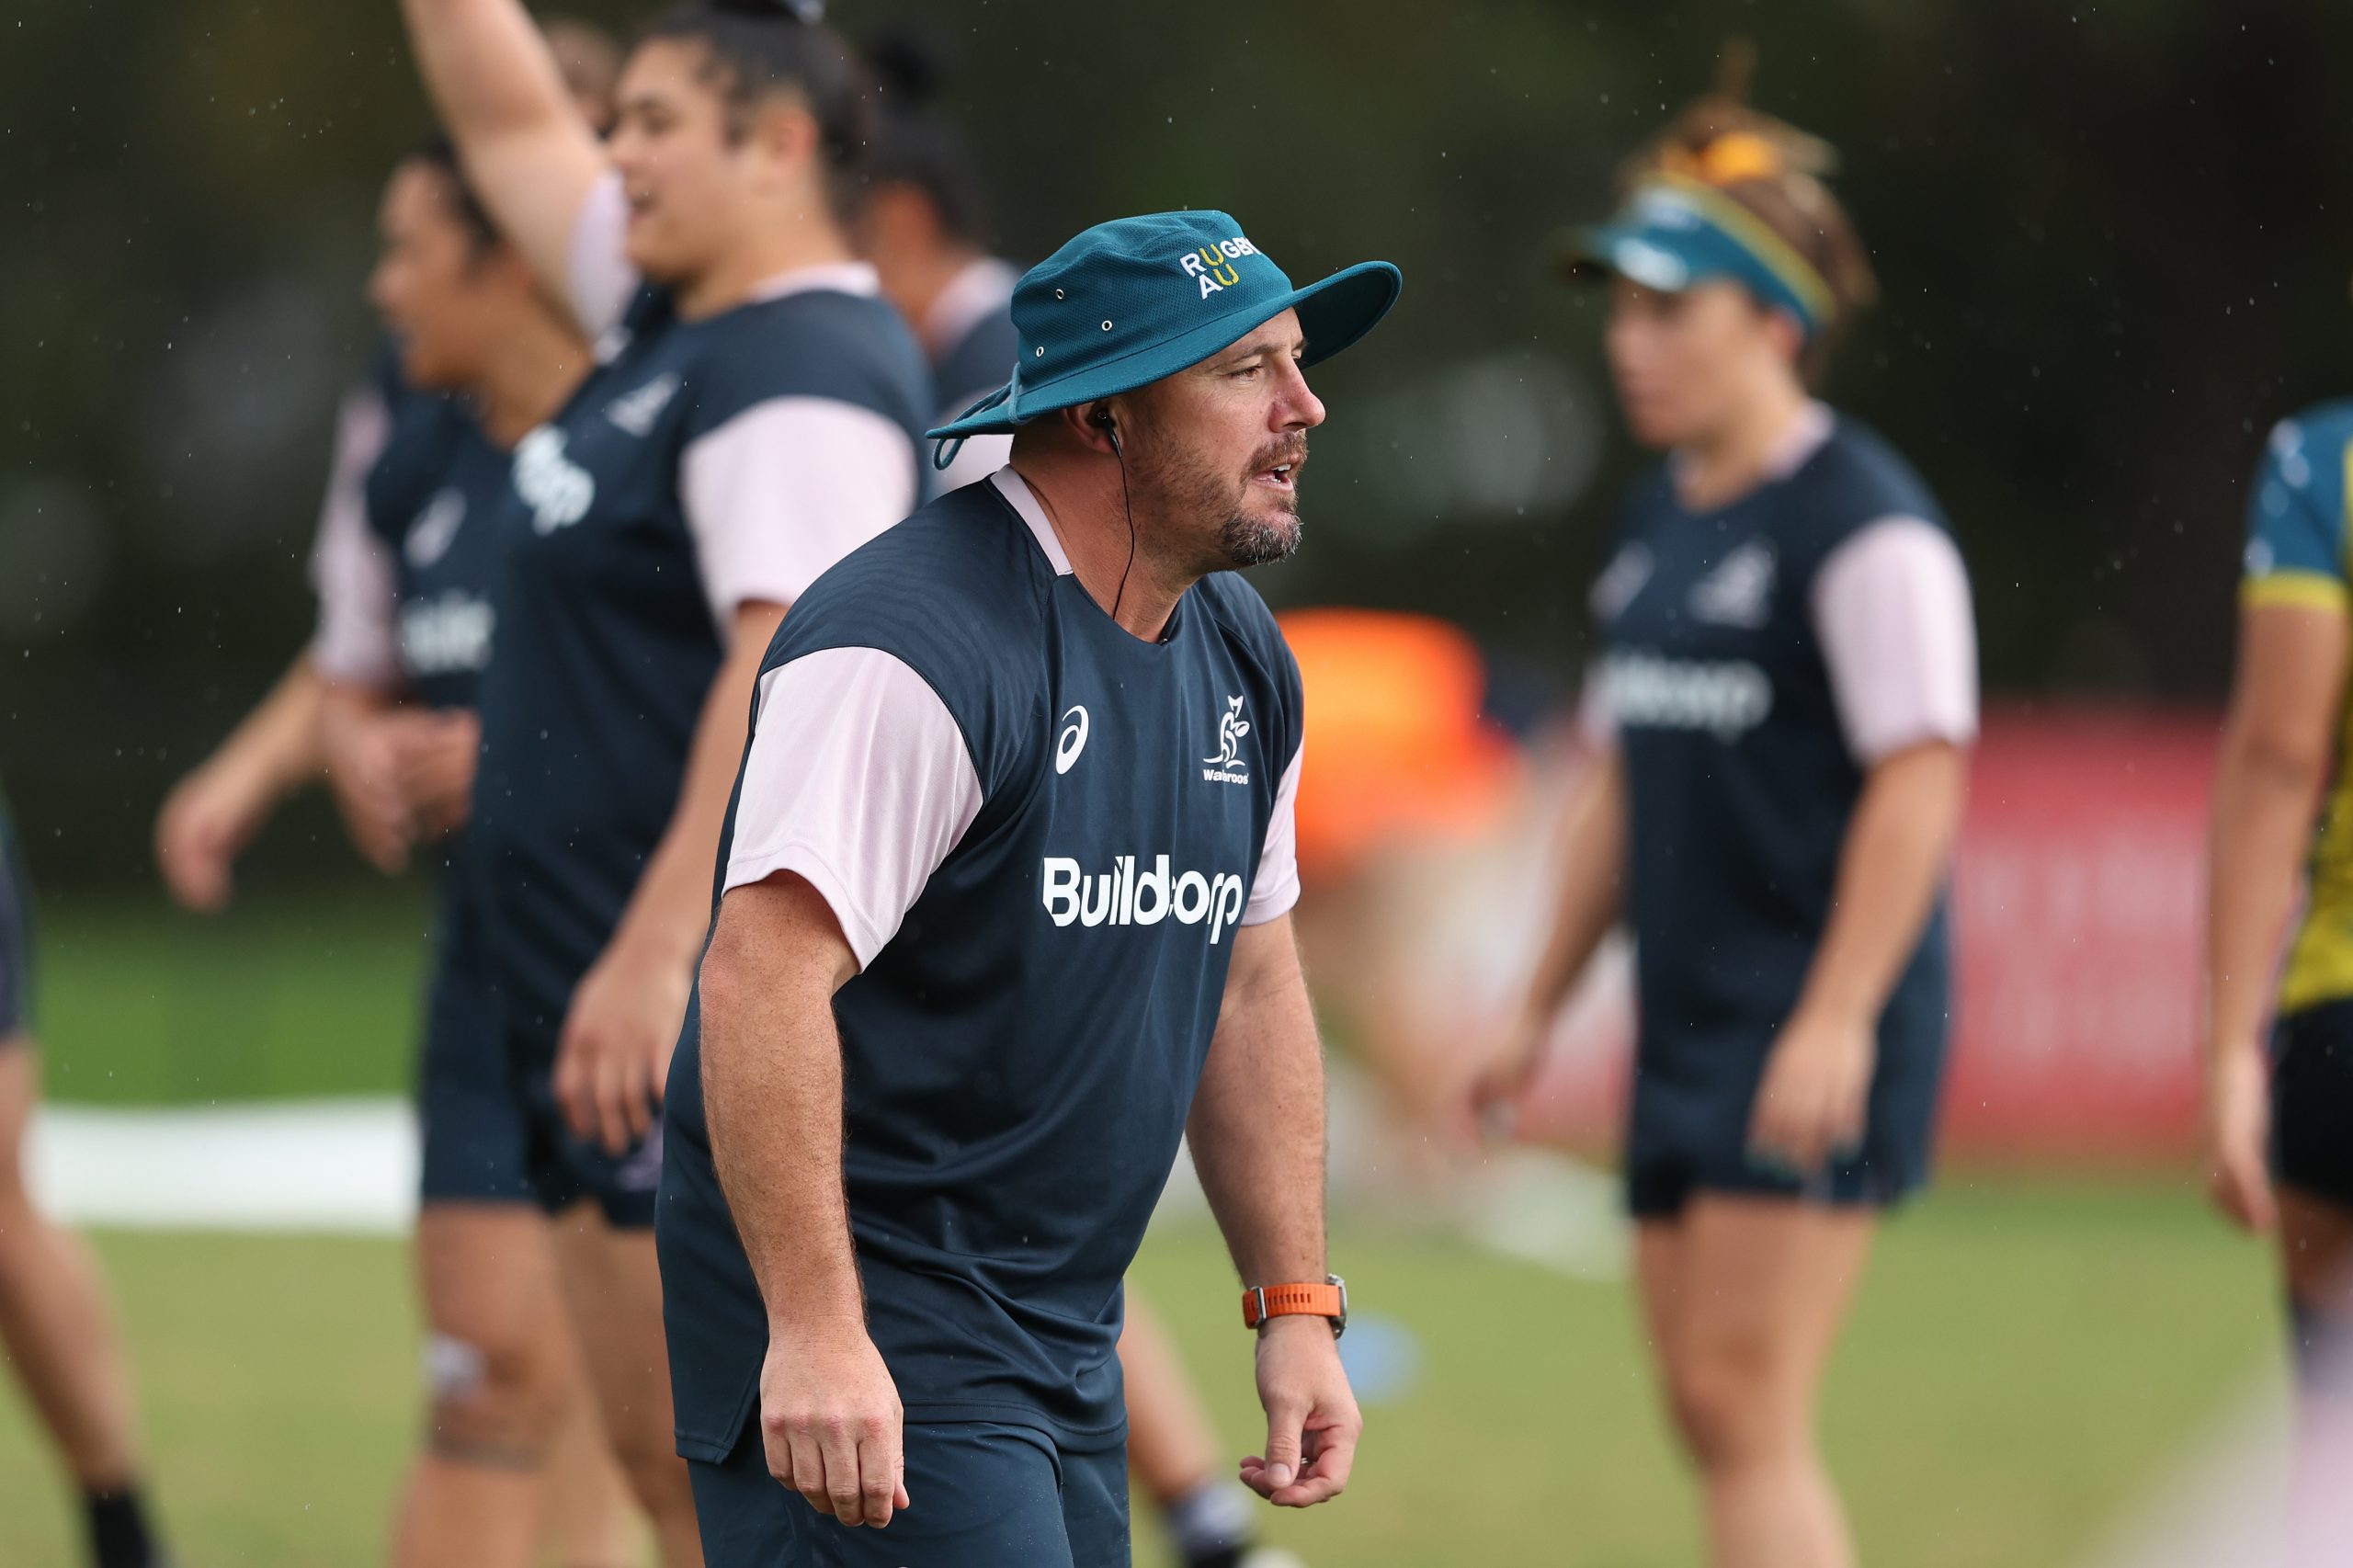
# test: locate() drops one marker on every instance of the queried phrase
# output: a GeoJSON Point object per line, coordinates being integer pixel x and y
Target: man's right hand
{"type": "Point", "coordinates": [831, 1421]}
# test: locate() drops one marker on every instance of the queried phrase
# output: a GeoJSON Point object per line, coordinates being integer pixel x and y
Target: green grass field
{"type": "Point", "coordinates": [2028, 1359]}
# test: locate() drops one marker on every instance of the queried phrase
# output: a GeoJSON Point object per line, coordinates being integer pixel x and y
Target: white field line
{"type": "Point", "coordinates": [350, 1165]}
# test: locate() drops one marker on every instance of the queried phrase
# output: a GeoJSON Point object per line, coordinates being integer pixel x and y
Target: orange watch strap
{"type": "Point", "coordinates": [1292, 1300]}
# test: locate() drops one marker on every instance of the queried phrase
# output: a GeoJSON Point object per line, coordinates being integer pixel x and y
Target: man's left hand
{"type": "Point", "coordinates": [614, 1055]}
{"type": "Point", "coordinates": [1313, 1424]}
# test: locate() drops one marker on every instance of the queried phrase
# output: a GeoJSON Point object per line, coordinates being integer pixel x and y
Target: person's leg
{"type": "Point", "coordinates": [59, 1330]}
{"type": "Point", "coordinates": [1172, 1447]}
{"type": "Point", "coordinates": [615, 1286]}
{"type": "Point", "coordinates": [587, 1515]}
{"type": "Point", "coordinates": [501, 1368]}
{"type": "Point", "coordinates": [1752, 1293]}
{"type": "Point", "coordinates": [2316, 1251]}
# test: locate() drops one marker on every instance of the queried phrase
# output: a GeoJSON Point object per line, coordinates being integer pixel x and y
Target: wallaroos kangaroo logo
{"type": "Point", "coordinates": [1213, 265]}
{"type": "Point", "coordinates": [1225, 766]}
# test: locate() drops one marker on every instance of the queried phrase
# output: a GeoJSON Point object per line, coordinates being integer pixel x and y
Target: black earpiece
{"type": "Point", "coordinates": [1109, 427]}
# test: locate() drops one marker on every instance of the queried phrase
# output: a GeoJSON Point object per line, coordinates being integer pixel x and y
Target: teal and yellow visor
{"type": "Point", "coordinates": [1676, 231]}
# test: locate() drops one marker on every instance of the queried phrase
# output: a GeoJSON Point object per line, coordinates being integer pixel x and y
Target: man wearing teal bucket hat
{"type": "Point", "coordinates": [1004, 896]}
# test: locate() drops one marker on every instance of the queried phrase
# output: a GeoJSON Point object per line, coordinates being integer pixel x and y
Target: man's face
{"type": "Point", "coordinates": [1214, 451]}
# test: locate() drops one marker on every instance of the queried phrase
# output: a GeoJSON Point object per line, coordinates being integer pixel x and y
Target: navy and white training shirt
{"type": "Point", "coordinates": [1040, 836]}
{"type": "Point", "coordinates": [703, 465]}
{"type": "Point", "coordinates": [1761, 656]}
{"type": "Point", "coordinates": [408, 545]}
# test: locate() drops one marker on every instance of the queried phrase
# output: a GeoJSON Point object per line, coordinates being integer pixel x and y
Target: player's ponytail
{"type": "Point", "coordinates": [1778, 173]}
{"type": "Point", "coordinates": [758, 50]}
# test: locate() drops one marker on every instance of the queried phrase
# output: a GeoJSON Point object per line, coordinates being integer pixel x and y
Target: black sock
{"type": "Point", "coordinates": [118, 1533]}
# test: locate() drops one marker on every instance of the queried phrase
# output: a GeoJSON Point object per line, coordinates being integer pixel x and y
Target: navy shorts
{"type": "Point", "coordinates": [1687, 1130]}
{"type": "Point", "coordinates": [16, 940]}
{"type": "Point", "coordinates": [2312, 1101]}
{"type": "Point", "coordinates": [984, 1495]}
{"type": "Point", "coordinates": [492, 1130]}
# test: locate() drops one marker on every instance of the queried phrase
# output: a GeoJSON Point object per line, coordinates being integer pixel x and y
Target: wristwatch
{"type": "Point", "coordinates": [1329, 1300]}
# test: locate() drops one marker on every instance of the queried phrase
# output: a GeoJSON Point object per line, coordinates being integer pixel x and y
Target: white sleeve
{"type": "Point", "coordinates": [786, 488]}
{"type": "Point", "coordinates": [1277, 887]}
{"type": "Point", "coordinates": [597, 277]}
{"type": "Point", "coordinates": [980, 457]}
{"type": "Point", "coordinates": [1892, 607]}
{"type": "Point", "coordinates": [351, 571]}
{"type": "Point", "coordinates": [858, 780]}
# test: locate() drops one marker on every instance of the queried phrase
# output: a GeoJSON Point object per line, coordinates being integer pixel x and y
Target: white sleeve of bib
{"type": "Point", "coordinates": [786, 488]}
{"type": "Point", "coordinates": [351, 570]}
{"type": "Point", "coordinates": [1892, 607]}
{"type": "Point", "coordinates": [1277, 887]}
{"type": "Point", "coordinates": [856, 779]}
{"type": "Point", "coordinates": [597, 278]}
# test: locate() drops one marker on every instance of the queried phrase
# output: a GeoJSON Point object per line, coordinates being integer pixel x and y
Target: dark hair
{"type": "Point", "coordinates": [437, 153]}
{"type": "Point", "coordinates": [915, 143]}
{"type": "Point", "coordinates": [757, 48]}
{"type": "Point", "coordinates": [1776, 172]}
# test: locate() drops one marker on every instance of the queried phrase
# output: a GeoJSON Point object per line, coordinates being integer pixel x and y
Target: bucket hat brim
{"type": "Point", "coordinates": [1333, 312]}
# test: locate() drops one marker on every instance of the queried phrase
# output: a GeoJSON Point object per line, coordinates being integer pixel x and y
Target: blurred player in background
{"type": "Point", "coordinates": [56, 1322]}
{"type": "Point", "coordinates": [753, 417]}
{"type": "Point", "coordinates": [1789, 691]}
{"type": "Point", "coordinates": [406, 630]}
{"type": "Point", "coordinates": [381, 703]}
{"type": "Point", "coordinates": [2279, 1124]}
{"type": "Point", "coordinates": [213, 812]}
{"type": "Point", "coordinates": [921, 224]}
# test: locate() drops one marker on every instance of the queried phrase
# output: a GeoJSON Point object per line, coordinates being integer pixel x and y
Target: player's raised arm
{"type": "Point", "coordinates": [528, 152]}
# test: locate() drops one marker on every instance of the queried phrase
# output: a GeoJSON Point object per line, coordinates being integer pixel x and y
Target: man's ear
{"type": "Point", "coordinates": [784, 135]}
{"type": "Point", "coordinates": [1092, 426]}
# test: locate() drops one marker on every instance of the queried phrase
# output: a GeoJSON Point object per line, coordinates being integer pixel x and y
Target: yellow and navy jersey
{"type": "Point", "coordinates": [2296, 554]}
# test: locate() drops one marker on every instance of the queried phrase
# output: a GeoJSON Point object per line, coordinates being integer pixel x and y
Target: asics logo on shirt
{"type": "Point", "coordinates": [1072, 740]}
{"type": "Point", "coordinates": [1726, 699]}
{"type": "Point", "coordinates": [1230, 730]}
{"type": "Point", "coordinates": [558, 489]}
{"type": "Point", "coordinates": [636, 412]}
{"type": "Point", "coordinates": [1739, 592]}
{"type": "Point", "coordinates": [1124, 896]}
{"type": "Point", "coordinates": [436, 528]}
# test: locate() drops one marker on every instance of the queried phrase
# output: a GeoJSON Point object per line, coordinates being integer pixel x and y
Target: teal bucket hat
{"type": "Point", "coordinates": [1131, 300]}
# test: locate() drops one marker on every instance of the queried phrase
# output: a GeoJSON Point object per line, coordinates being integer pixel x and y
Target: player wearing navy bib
{"type": "Point", "coordinates": [56, 1323]}
{"type": "Point", "coordinates": [753, 417]}
{"type": "Point", "coordinates": [2279, 1123]}
{"type": "Point", "coordinates": [407, 628]}
{"type": "Point", "coordinates": [1012, 909]}
{"type": "Point", "coordinates": [1782, 715]}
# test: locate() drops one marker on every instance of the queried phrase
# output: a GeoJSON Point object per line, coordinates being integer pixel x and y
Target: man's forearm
{"type": "Point", "coordinates": [772, 1096]}
{"type": "Point", "coordinates": [1256, 1127]}
{"type": "Point", "coordinates": [1889, 869]}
